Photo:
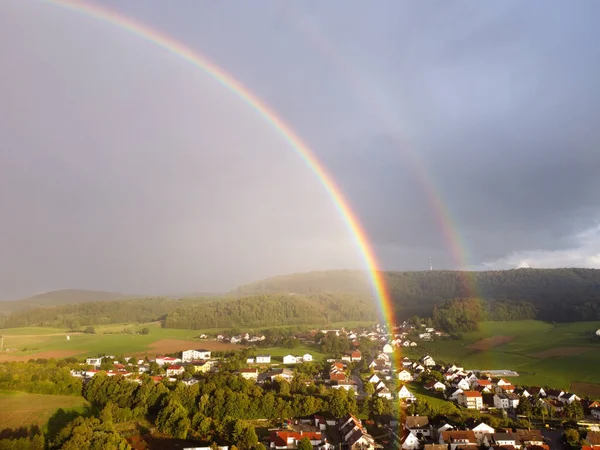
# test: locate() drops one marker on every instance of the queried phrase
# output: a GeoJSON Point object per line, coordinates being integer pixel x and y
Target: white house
{"type": "Point", "coordinates": [387, 348]}
{"type": "Point", "coordinates": [162, 360]}
{"type": "Point", "coordinates": [595, 413]}
{"type": "Point", "coordinates": [384, 392]}
{"type": "Point", "coordinates": [427, 361]}
{"type": "Point", "coordinates": [250, 361]}
{"type": "Point", "coordinates": [568, 398]}
{"type": "Point", "coordinates": [290, 359]}
{"type": "Point", "coordinates": [506, 401]}
{"type": "Point", "coordinates": [307, 357]}
{"type": "Point", "coordinates": [404, 375]}
{"type": "Point", "coordinates": [374, 379]}
{"type": "Point", "coordinates": [418, 426]}
{"type": "Point", "coordinates": [481, 430]}
{"type": "Point", "coordinates": [195, 355]}
{"type": "Point", "coordinates": [405, 394]}
{"type": "Point", "coordinates": [263, 359]}
{"type": "Point", "coordinates": [470, 399]}
{"type": "Point", "coordinates": [249, 374]}
{"type": "Point", "coordinates": [94, 361]}
{"type": "Point", "coordinates": [410, 442]}
{"type": "Point", "coordinates": [175, 370]}
{"type": "Point", "coordinates": [435, 386]}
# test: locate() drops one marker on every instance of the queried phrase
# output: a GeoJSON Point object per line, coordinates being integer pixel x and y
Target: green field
{"type": "Point", "coordinates": [18, 409]}
{"type": "Point", "coordinates": [277, 353]}
{"type": "Point", "coordinates": [570, 353]}
{"type": "Point", "coordinates": [34, 342]}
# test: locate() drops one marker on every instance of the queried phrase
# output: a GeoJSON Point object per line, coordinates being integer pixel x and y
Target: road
{"type": "Point", "coordinates": [553, 439]}
{"type": "Point", "coordinates": [360, 388]}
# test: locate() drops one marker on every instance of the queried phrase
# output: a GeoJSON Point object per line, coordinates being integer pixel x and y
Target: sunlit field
{"type": "Point", "coordinates": [542, 353]}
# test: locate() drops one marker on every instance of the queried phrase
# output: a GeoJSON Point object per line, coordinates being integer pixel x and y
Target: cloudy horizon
{"type": "Point", "coordinates": [465, 133]}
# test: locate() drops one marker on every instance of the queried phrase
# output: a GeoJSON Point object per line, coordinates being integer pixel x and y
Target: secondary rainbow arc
{"type": "Point", "coordinates": [171, 45]}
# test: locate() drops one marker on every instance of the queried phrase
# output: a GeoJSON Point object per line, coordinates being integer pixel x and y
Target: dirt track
{"type": "Point", "coordinates": [491, 342]}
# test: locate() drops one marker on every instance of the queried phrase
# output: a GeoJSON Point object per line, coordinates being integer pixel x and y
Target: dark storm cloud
{"type": "Point", "coordinates": [124, 168]}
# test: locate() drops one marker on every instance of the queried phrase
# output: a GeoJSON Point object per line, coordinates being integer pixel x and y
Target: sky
{"type": "Point", "coordinates": [464, 131]}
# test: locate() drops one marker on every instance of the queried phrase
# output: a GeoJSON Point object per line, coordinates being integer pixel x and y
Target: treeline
{"type": "Point", "coordinates": [559, 295]}
{"type": "Point", "coordinates": [459, 315]}
{"type": "Point", "coordinates": [214, 409]}
{"type": "Point", "coordinates": [43, 377]}
{"type": "Point", "coordinates": [270, 310]}
{"type": "Point", "coordinates": [78, 316]}
{"type": "Point", "coordinates": [254, 311]}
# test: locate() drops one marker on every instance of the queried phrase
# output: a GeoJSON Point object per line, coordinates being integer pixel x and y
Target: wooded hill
{"type": "Point", "coordinates": [559, 295]}
{"type": "Point", "coordinates": [552, 294]}
{"type": "Point", "coordinates": [61, 297]}
{"type": "Point", "coordinates": [252, 311]}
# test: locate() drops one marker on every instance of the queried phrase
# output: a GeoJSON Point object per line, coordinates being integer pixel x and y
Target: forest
{"type": "Point", "coordinates": [560, 295]}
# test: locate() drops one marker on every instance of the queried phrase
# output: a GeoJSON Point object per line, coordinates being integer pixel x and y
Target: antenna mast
{"type": "Point", "coordinates": [430, 264]}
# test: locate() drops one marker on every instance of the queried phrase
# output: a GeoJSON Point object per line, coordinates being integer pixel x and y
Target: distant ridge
{"type": "Point", "coordinates": [61, 297]}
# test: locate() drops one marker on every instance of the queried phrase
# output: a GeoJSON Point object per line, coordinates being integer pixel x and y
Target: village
{"type": "Point", "coordinates": [379, 372]}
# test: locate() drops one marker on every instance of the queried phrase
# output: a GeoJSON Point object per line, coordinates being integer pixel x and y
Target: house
{"type": "Point", "coordinates": [461, 439]}
{"type": "Point", "coordinates": [418, 426]}
{"type": "Point", "coordinates": [337, 376]}
{"type": "Point", "coordinates": [405, 394]}
{"type": "Point", "coordinates": [384, 392]}
{"type": "Point", "coordinates": [470, 399]}
{"type": "Point", "coordinates": [593, 437]}
{"type": "Point", "coordinates": [568, 398]}
{"type": "Point", "coordinates": [355, 355]}
{"type": "Point", "coordinates": [506, 401]}
{"type": "Point", "coordinates": [374, 379]}
{"type": "Point", "coordinates": [501, 382]}
{"type": "Point", "coordinates": [387, 348]}
{"type": "Point", "coordinates": [173, 371]}
{"type": "Point", "coordinates": [354, 435]}
{"type": "Point", "coordinates": [195, 355]}
{"type": "Point", "coordinates": [346, 384]}
{"type": "Point", "coordinates": [250, 361]}
{"type": "Point", "coordinates": [454, 395]}
{"type": "Point", "coordinates": [405, 375]}
{"type": "Point", "coordinates": [483, 383]}
{"type": "Point", "coordinates": [554, 394]}
{"type": "Point", "coordinates": [595, 412]}
{"type": "Point", "coordinates": [481, 430]}
{"type": "Point", "coordinates": [281, 374]}
{"type": "Point", "coordinates": [280, 440]}
{"type": "Point", "coordinates": [508, 389]}
{"type": "Point", "coordinates": [94, 361]}
{"type": "Point", "coordinates": [263, 359]}
{"type": "Point", "coordinates": [425, 336]}
{"type": "Point", "coordinates": [435, 386]}
{"type": "Point", "coordinates": [290, 359]}
{"type": "Point", "coordinates": [501, 439]}
{"type": "Point", "coordinates": [249, 374]}
{"type": "Point", "coordinates": [409, 441]}
{"type": "Point", "coordinates": [537, 391]}
{"type": "Point", "coordinates": [202, 366]}
{"type": "Point", "coordinates": [526, 438]}
{"type": "Point", "coordinates": [427, 361]}
{"type": "Point", "coordinates": [162, 360]}
{"type": "Point", "coordinates": [307, 357]}
{"type": "Point", "coordinates": [461, 383]}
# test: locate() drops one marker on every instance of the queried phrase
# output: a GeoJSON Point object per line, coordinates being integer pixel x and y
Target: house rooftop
{"type": "Point", "coordinates": [417, 421]}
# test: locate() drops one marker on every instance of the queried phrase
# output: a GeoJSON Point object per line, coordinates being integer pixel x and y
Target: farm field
{"type": "Point", "coordinates": [277, 353]}
{"type": "Point", "coordinates": [22, 344]}
{"type": "Point", "coordinates": [19, 409]}
{"type": "Point", "coordinates": [558, 355]}
{"type": "Point", "coordinates": [26, 343]}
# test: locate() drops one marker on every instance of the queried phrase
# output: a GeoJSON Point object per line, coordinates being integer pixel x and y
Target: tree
{"type": "Point", "coordinates": [89, 330]}
{"type": "Point", "coordinates": [574, 411]}
{"type": "Point", "coordinates": [304, 444]}
{"type": "Point", "coordinates": [145, 330]}
{"type": "Point", "coordinates": [89, 434]}
{"type": "Point", "coordinates": [369, 389]}
{"type": "Point", "coordinates": [524, 407]}
{"type": "Point", "coordinates": [572, 436]}
{"type": "Point", "coordinates": [173, 420]}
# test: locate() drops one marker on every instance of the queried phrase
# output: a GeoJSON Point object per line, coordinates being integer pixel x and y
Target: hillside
{"type": "Point", "coordinates": [61, 297]}
{"type": "Point", "coordinates": [556, 294]}
{"type": "Point", "coordinates": [252, 311]}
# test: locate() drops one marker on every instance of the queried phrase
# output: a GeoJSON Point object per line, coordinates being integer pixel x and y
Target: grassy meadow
{"type": "Point", "coordinates": [38, 342]}
{"type": "Point", "coordinates": [18, 409]}
{"type": "Point", "coordinates": [542, 353]}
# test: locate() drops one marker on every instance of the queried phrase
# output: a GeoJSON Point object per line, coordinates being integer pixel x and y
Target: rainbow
{"type": "Point", "coordinates": [366, 90]}
{"type": "Point", "coordinates": [236, 87]}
